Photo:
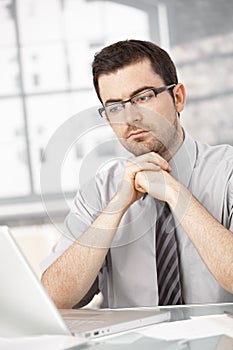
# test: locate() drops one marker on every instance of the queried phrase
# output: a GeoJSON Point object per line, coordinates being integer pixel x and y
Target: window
{"type": "Point", "coordinates": [46, 79]}
{"type": "Point", "coordinates": [45, 70]}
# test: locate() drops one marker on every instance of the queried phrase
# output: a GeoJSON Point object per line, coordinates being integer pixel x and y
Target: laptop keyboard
{"type": "Point", "coordinates": [76, 324]}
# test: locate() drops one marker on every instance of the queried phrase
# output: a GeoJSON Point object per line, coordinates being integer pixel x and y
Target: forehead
{"type": "Point", "coordinates": [120, 84]}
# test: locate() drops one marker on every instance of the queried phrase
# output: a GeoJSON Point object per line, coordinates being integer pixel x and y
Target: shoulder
{"type": "Point", "coordinates": [215, 161]}
{"type": "Point", "coordinates": [215, 154]}
{"type": "Point", "coordinates": [104, 182]}
{"type": "Point", "coordinates": [111, 169]}
{"type": "Point", "coordinates": [213, 169]}
{"type": "Point", "coordinates": [212, 180]}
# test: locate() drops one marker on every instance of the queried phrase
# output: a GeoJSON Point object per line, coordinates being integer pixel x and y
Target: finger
{"type": "Point", "coordinates": [150, 157]}
{"type": "Point", "coordinates": [157, 159]}
{"type": "Point", "coordinates": [132, 170]}
{"type": "Point", "coordinates": [141, 182]}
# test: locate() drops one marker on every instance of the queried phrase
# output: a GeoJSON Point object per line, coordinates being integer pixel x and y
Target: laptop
{"type": "Point", "coordinates": [26, 308]}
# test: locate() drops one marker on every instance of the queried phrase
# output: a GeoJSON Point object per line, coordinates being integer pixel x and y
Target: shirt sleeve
{"type": "Point", "coordinates": [85, 208]}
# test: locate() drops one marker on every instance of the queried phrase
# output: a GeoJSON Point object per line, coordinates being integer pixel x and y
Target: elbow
{"type": "Point", "coordinates": [51, 289]}
{"type": "Point", "coordinates": [55, 291]}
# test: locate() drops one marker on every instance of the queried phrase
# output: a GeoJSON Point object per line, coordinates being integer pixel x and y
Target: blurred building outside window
{"type": "Point", "coordinates": [45, 70]}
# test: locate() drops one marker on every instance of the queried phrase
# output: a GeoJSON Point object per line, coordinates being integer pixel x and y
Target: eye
{"type": "Point", "coordinates": [144, 97]}
{"type": "Point", "coordinates": [114, 108]}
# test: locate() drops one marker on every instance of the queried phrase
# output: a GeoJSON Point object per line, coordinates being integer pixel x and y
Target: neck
{"type": "Point", "coordinates": [177, 141]}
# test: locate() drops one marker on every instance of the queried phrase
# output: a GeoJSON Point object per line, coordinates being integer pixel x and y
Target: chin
{"type": "Point", "coordinates": [138, 148]}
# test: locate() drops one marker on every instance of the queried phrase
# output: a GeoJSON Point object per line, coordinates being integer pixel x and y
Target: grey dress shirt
{"type": "Point", "coordinates": [128, 276]}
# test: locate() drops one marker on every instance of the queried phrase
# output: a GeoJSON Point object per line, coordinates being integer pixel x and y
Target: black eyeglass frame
{"type": "Point", "coordinates": [156, 91]}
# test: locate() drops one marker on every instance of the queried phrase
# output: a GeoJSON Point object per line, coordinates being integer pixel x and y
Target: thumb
{"type": "Point", "coordinates": [141, 182]}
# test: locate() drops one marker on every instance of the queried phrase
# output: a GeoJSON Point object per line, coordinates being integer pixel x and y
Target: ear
{"type": "Point", "coordinates": [180, 97]}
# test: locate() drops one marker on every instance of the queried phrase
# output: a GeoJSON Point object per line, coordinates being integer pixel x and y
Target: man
{"type": "Point", "coordinates": [119, 223]}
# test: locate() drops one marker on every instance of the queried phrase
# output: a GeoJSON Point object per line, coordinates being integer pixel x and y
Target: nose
{"type": "Point", "coordinates": [132, 114]}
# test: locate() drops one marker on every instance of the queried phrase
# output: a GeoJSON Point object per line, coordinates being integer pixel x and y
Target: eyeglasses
{"type": "Point", "coordinates": [113, 110]}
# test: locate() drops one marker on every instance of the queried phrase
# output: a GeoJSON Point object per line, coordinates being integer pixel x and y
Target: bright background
{"type": "Point", "coordinates": [46, 50]}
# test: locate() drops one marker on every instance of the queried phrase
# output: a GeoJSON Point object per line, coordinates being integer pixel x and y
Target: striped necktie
{"type": "Point", "coordinates": [169, 285]}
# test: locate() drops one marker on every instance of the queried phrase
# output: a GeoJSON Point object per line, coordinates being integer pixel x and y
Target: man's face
{"type": "Point", "coordinates": [144, 127]}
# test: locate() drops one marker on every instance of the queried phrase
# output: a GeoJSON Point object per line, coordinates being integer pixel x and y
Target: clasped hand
{"type": "Point", "coordinates": [146, 173]}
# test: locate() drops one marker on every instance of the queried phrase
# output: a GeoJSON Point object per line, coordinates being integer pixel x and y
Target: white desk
{"type": "Point", "coordinates": [134, 340]}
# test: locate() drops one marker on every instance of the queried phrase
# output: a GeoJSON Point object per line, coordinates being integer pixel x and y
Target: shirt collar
{"type": "Point", "coordinates": [184, 160]}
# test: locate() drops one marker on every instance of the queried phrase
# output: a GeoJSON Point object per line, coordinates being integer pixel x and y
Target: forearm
{"type": "Point", "coordinates": [69, 278]}
{"type": "Point", "coordinates": [211, 239]}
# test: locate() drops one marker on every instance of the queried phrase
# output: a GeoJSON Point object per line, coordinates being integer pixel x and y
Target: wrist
{"type": "Point", "coordinates": [178, 197]}
{"type": "Point", "coordinates": [173, 188]}
{"type": "Point", "coordinates": [117, 205]}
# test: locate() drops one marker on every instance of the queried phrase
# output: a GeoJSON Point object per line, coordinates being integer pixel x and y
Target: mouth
{"type": "Point", "coordinates": [138, 134]}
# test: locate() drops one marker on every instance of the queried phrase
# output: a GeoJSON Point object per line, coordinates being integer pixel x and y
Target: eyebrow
{"type": "Point", "coordinates": [133, 93]}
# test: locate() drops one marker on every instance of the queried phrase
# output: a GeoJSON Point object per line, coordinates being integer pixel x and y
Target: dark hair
{"type": "Point", "coordinates": [123, 53]}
